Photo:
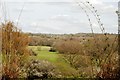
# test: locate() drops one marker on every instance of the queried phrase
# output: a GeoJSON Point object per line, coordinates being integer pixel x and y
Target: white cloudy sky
{"type": "Point", "coordinates": [59, 16]}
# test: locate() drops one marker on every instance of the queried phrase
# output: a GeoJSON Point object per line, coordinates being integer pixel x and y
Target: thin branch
{"type": "Point", "coordinates": [20, 13]}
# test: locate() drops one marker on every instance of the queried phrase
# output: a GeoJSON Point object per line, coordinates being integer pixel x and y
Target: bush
{"type": "Point", "coordinates": [40, 69]}
{"type": "Point", "coordinates": [52, 50]}
{"type": "Point", "coordinates": [39, 41]}
{"type": "Point", "coordinates": [69, 47]}
{"type": "Point", "coordinates": [14, 50]}
{"type": "Point", "coordinates": [103, 52]}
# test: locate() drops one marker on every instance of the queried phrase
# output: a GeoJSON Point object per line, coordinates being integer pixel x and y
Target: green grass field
{"type": "Point", "coordinates": [55, 58]}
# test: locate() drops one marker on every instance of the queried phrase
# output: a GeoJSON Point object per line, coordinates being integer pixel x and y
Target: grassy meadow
{"type": "Point", "coordinates": [54, 58]}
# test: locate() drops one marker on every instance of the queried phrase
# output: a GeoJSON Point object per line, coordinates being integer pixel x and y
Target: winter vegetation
{"type": "Point", "coordinates": [52, 56]}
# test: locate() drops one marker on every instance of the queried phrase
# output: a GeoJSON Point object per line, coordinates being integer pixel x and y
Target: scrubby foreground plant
{"type": "Point", "coordinates": [14, 50]}
{"type": "Point", "coordinates": [40, 69]}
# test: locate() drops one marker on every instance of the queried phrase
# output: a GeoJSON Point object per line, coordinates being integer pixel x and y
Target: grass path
{"type": "Point", "coordinates": [54, 58]}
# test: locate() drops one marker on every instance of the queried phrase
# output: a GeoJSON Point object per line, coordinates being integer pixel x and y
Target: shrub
{"type": "Point", "coordinates": [68, 47]}
{"type": "Point", "coordinates": [39, 41]}
{"type": "Point", "coordinates": [40, 69]}
{"type": "Point", "coordinates": [103, 52]}
{"type": "Point", "coordinates": [52, 49]}
{"type": "Point", "coordinates": [14, 50]}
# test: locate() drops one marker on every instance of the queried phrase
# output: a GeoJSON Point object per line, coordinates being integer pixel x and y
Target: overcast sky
{"type": "Point", "coordinates": [59, 16]}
